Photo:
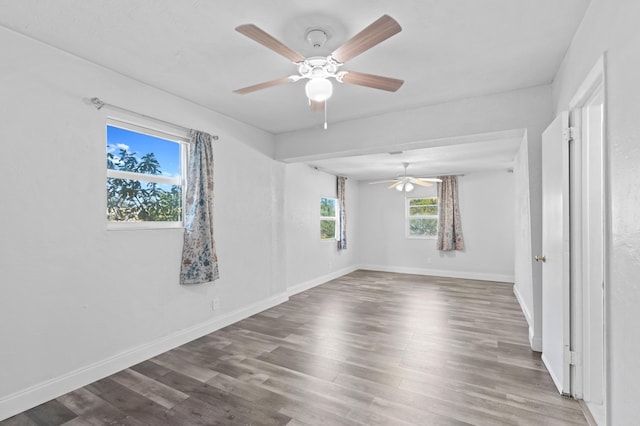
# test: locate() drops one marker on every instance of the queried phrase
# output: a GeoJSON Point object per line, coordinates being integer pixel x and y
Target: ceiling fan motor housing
{"type": "Point", "coordinates": [320, 67]}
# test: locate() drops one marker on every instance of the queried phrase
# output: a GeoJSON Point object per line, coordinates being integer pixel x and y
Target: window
{"type": "Point", "coordinates": [422, 217]}
{"type": "Point", "coordinates": [145, 177]}
{"type": "Point", "coordinates": [328, 218]}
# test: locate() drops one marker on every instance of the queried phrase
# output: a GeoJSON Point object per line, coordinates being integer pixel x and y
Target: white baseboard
{"type": "Point", "coordinates": [32, 396]}
{"type": "Point", "coordinates": [598, 413]}
{"type": "Point", "coordinates": [299, 288]}
{"type": "Point", "coordinates": [523, 306]}
{"type": "Point", "coordinates": [555, 379]}
{"type": "Point", "coordinates": [441, 273]}
{"type": "Point", "coordinates": [534, 341]}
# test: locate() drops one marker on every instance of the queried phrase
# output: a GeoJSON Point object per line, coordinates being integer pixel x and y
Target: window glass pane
{"type": "Point", "coordinates": [130, 200]}
{"type": "Point", "coordinates": [423, 210]}
{"type": "Point", "coordinates": [327, 207]}
{"type": "Point", "coordinates": [136, 152]}
{"type": "Point", "coordinates": [327, 229]}
{"type": "Point", "coordinates": [423, 227]}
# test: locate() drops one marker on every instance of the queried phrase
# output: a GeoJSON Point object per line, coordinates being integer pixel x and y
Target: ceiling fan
{"type": "Point", "coordinates": [406, 183]}
{"type": "Point", "coordinates": [319, 69]}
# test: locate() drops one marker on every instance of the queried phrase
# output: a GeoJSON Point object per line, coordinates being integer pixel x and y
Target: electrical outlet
{"type": "Point", "coordinates": [215, 304]}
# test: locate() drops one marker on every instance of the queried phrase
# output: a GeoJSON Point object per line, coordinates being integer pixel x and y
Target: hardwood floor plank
{"type": "Point", "coordinates": [51, 412]}
{"type": "Point", "coordinates": [93, 410]}
{"type": "Point", "coordinates": [368, 348]}
{"type": "Point", "coordinates": [149, 388]}
{"type": "Point", "coordinates": [233, 406]}
{"type": "Point", "coordinates": [19, 420]}
{"type": "Point", "coordinates": [173, 361]}
{"type": "Point", "coordinates": [128, 401]}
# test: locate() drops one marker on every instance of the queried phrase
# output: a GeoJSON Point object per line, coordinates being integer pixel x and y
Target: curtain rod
{"type": "Point", "coordinates": [98, 103]}
{"type": "Point", "coordinates": [320, 169]}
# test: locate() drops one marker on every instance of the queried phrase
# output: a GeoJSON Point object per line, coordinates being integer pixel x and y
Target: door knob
{"type": "Point", "coordinates": [540, 259]}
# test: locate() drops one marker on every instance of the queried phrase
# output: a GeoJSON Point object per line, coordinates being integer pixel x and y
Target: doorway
{"type": "Point", "coordinates": [574, 250]}
{"type": "Point", "coordinates": [588, 266]}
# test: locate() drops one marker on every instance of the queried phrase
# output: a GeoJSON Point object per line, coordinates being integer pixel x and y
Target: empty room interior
{"type": "Point", "coordinates": [341, 213]}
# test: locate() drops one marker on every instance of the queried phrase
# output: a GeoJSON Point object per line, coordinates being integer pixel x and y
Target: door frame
{"type": "Point", "coordinates": [593, 86]}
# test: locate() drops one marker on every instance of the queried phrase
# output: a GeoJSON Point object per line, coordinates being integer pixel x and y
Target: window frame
{"type": "Point", "coordinates": [167, 133]}
{"type": "Point", "coordinates": [408, 218]}
{"type": "Point", "coordinates": [335, 218]}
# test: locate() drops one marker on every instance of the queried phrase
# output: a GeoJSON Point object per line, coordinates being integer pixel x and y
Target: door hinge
{"type": "Point", "coordinates": [572, 357]}
{"type": "Point", "coordinates": [570, 134]}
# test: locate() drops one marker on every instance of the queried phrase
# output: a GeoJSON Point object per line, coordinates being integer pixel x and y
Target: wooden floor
{"type": "Point", "coordinates": [369, 348]}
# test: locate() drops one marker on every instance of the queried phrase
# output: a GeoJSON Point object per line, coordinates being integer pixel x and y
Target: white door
{"type": "Point", "coordinates": [555, 256]}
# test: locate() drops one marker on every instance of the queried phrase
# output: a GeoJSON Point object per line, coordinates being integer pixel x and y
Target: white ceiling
{"type": "Point", "coordinates": [447, 50]}
{"type": "Point", "coordinates": [457, 156]}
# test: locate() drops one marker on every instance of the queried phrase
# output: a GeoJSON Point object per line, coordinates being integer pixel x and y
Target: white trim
{"type": "Point", "coordinates": [166, 180]}
{"type": "Point", "coordinates": [181, 181]}
{"type": "Point", "coordinates": [170, 133]}
{"type": "Point", "coordinates": [483, 276]}
{"type": "Point", "coordinates": [591, 83]}
{"type": "Point", "coordinates": [408, 217]}
{"type": "Point", "coordinates": [598, 412]}
{"type": "Point", "coordinates": [32, 396]}
{"type": "Point", "coordinates": [336, 218]}
{"type": "Point", "coordinates": [534, 341]}
{"type": "Point", "coordinates": [583, 326]}
{"type": "Point", "coordinates": [299, 288]}
{"type": "Point", "coordinates": [556, 381]}
{"type": "Point", "coordinates": [523, 306]}
{"type": "Point", "coordinates": [139, 226]}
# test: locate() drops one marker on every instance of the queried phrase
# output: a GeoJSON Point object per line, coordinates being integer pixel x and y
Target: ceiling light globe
{"type": "Point", "coordinates": [400, 187]}
{"type": "Point", "coordinates": [318, 89]}
{"type": "Point", "coordinates": [408, 187]}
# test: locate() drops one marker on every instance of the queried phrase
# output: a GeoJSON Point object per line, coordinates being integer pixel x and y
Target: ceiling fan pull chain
{"type": "Point", "coordinates": [325, 115]}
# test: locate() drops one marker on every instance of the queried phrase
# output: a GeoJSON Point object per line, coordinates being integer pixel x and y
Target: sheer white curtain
{"type": "Point", "coordinates": [449, 224]}
{"type": "Point", "coordinates": [342, 207]}
{"type": "Point", "coordinates": [199, 259]}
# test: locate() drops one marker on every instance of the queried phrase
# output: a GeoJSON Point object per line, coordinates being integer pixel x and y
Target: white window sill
{"type": "Point", "coordinates": [136, 226]}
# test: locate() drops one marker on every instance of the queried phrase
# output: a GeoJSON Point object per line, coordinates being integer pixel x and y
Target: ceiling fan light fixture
{"type": "Point", "coordinates": [400, 187]}
{"type": "Point", "coordinates": [318, 89]}
{"type": "Point", "coordinates": [408, 187]}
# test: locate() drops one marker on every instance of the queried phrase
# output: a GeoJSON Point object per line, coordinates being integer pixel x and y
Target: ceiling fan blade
{"type": "Point", "coordinates": [258, 35]}
{"type": "Point", "coordinates": [394, 185]}
{"type": "Point", "coordinates": [374, 81]}
{"type": "Point", "coordinates": [418, 182]}
{"type": "Point", "coordinates": [264, 85]}
{"type": "Point", "coordinates": [317, 106]}
{"type": "Point", "coordinates": [383, 181]}
{"type": "Point", "coordinates": [429, 179]}
{"type": "Point", "coordinates": [375, 33]}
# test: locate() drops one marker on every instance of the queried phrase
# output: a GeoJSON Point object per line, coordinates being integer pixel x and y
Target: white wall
{"type": "Point", "coordinates": [79, 301]}
{"type": "Point", "coordinates": [611, 28]}
{"type": "Point", "coordinates": [486, 209]}
{"type": "Point", "coordinates": [310, 260]}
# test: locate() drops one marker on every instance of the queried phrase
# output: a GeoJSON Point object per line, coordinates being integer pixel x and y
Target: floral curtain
{"type": "Point", "coordinates": [199, 259]}
{"type": "Point", "coordinates": [449, 225]}
{"type": "Point", "coordinates": [342, 207]}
